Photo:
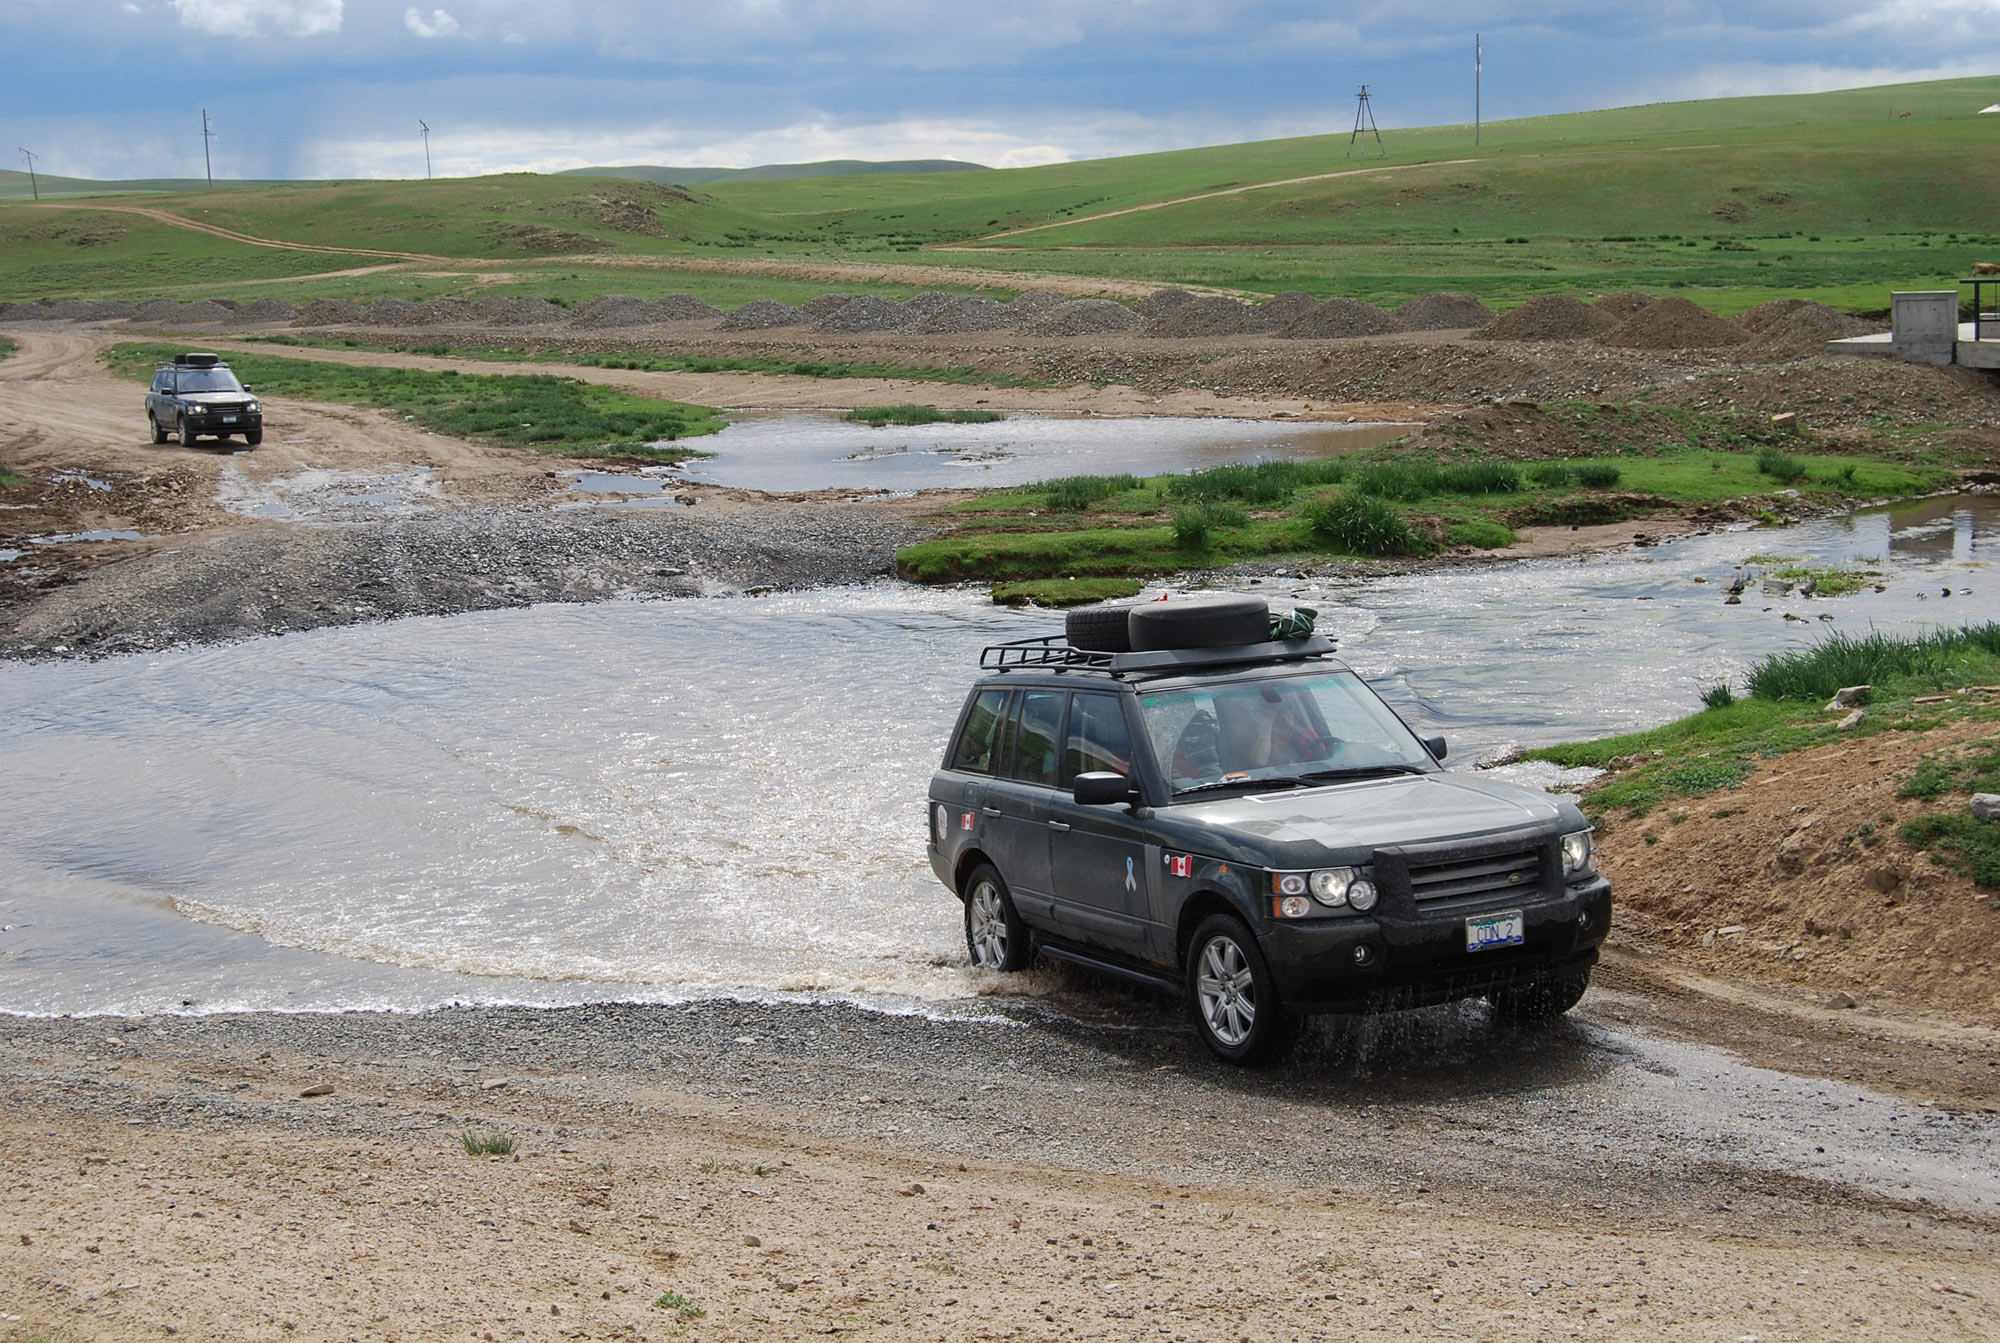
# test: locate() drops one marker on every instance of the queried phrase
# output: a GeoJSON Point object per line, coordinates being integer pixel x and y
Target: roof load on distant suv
{"type": "Point", "coordinates": [197, 360]}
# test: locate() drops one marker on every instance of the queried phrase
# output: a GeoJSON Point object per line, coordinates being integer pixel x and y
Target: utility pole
{"type": "Point", "coordinates": [207, 163]}
{"type": "Point", "coordinates": [427, 150]}
{"type": "Point", "coordinates": [1364, 114]}
{"type": "Point", "coordinates": [1478, 73]}
{"type": "Point", "coordinates": [33, 185]}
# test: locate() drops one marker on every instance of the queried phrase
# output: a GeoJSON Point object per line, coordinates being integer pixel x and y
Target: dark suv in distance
{"type": "Point", "coordinates": [197, 394]}
{"type": "Point", "coordinates": [1170, 795]}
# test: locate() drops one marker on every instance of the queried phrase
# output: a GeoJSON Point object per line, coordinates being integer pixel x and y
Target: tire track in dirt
{"type": "Point", "coordinates": [217, 231]}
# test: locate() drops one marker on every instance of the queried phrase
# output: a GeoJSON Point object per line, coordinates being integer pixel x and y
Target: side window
{"type": "Point", "coordinates": [1033, 731]}
{"type": "Point", "coordinates": [1098, 738]}
{"type": "Point", "coordinates": [162, 381]}
{"type": "Point", "coordinates": [973, 752]}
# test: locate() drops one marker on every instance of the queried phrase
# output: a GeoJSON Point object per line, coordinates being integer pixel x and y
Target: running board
{"type": "Point", "coordinates": [1056, 951]}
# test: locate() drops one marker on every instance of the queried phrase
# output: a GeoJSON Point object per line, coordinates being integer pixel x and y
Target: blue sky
{"type": "Point", "coordinates": [322, 88]}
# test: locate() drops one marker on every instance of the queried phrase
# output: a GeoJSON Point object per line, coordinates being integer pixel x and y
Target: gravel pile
{"type": "Point", "coordinates": [532, 312]}
{"type": "Point", "coordinates": [867, 313]}
{"type": "Point", "coordinates": [330, 312]}
{"type": "Point", "coordinates": [390, 312]}
{"type": "Point", "coordinates": [1550, 317]}
{"type": "Point", "coordinates": [1288, 307]}
{"type": "Point", "coordinates": [1211, 316]}
{"type": "Point", "coordinates": [1340, 319]}
{"type": "Point", "coordinates": [1791, 326]}
{"type": "Point", "coordinates": [113, 307]}
{"type": "Point", "coordinates": [1624, 304]}
{"type": "Point", "coordinates": [492, 308]}
{"type": "Point", "coordinates": [1082, 317]}
{"type": "Point", "coordinates": [71, 310]}
{"type": "Point", "coordinates": [38, 312]}
{"type": "Point", "coordinates": [761, 314]}
{"type": "Point", "coordinates": [207, 315]}
{"type": "Point", "coordinates": [1445, 310]}
{"type": "Point", "coordinates": [1031, 301]}
{"type": "Point", "coordinates": [687, 308]}
{"type": "Point", "coordinates": [1161, 302]}
{"type": "Point", "coordinates": [615, 310]}
{"type": "Point", "coordinates": [442, 312]}
{"type": "Point", "coordinates": [963, 315]}
{"type": "Point", "coordinates": [926, 303]}
{"type": "Point", "coordinates": [267, 310]}
{"type": "Point", "coordinates": [826, 305]}
{"type": "Point", "coordinates": [1673, 324]}
{"type": "Point", "coordinates": [156, 310]}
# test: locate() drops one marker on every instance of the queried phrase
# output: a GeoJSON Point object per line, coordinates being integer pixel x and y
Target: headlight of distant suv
{"type": "Point", "coordinates": [252, 406]}
{"type": "Point", "coordinates": [1333, 887]}
{"type": "Point", "coordinates": [1577, 854]}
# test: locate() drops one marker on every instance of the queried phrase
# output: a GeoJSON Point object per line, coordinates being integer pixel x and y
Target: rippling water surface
{"type": "Point", "coordinates": [673, 799]}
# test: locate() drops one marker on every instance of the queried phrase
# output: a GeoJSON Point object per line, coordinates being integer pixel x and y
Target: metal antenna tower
{"type": "Point", "coordinates": [1364, 113]}
{"type": "Point", "coordinates": [207, 163]}
{"type": "Point", "coordinates": [1478, 73]}
{"type": "Point", "coordinates": [427, 150]}
{"type": "Point", "coordinates": [33, 185]}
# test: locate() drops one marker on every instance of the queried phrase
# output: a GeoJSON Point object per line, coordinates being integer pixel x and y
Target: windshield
{"type": "Point", "coordinates": [206, 380]}
{"type": "Point", "coordinates": [1312, 728]}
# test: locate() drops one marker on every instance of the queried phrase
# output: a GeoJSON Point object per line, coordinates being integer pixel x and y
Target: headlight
{"type": "Point", "coordinates": [1577, 853]}
{"type": "Point", "coordinates": [253, 406]}
{"type": "Point", "coordinates": [1333, 887]}
{"type": "Point", "coordinates": [1330, 885]}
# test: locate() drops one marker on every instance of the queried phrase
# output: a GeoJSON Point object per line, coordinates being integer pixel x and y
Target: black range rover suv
{"type": "Point", "coordinates": [197, 394]}
{"type": "Point", "coordinates": [1245, 817]}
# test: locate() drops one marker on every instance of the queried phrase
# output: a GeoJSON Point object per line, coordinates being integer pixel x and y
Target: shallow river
{"type": "Point", "coordinates": [683, 799]}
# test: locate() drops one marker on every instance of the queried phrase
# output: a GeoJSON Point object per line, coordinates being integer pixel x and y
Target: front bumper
{"type": "Point", "coordinates": [1414, 960]}
{"type": "Point", "coordinates": [222, 421]}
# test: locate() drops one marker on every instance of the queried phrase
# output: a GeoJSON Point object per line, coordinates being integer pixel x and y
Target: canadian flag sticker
{"type": "Point", "coordinates": [965, 820]}
{"type": "Point", "coordinates": [1180, 864]}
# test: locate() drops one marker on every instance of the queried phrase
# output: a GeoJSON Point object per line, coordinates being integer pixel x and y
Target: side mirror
{"type": "Point", "coordinates": [1101, 788]}
{"type": "Point", "coordinates": [1435, 745]}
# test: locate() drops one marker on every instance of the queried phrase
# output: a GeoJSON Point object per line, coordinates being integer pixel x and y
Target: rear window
{"type": "Point", "coordinates": [973, 751]}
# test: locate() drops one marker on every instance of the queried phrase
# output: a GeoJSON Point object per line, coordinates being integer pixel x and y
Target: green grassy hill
{"type": "Point", "coordinates": [688, 177]}
{"type": "Point", "coordinates": [1838, 196]}
{"type": "Point", "coordinates": [16, 186]}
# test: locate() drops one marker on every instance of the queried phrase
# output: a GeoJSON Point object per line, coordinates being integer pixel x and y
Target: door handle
{"type": "Point", "coordinates": [1062, 826]}
{"type": "Point", "coordinates": [991, 811]}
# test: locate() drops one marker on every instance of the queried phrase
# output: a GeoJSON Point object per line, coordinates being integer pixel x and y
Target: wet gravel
{"type": "Point", "coordinates": [220, 586]}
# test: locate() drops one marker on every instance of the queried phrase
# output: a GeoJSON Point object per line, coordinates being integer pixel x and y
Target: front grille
{"type": "Point", "coordinates": [1494, 874]}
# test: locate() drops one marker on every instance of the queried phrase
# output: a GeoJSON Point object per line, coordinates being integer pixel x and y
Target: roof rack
{"type": "Point", "coordinates": [193, 360]}
{"type": "Point", "coordinates": [1054, 652]}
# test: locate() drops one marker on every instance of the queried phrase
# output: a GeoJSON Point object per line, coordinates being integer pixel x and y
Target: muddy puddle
{"type": "Point", "coordinates": [795, 451]}
{"type": "Point", "coordinates": [724, 796]}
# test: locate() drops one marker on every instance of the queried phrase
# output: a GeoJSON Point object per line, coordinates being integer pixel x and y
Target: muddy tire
{"type": "Point", "coordinates": [159, 434]}
{"type": "Point", "coordinates": [1540, 1000]}
{"type": "Point", "coordinates": [994, 933]}
{"type": "Point", "coordinates": [1233, 998]}
{"type": "Point", "coordinates": [186, 434]}
{"type": "Point", "coordinates": [1099, 629]}
{"type": "Point", "coordinates": [1220, 621]}
{"type": "Point", "coordinates": [254, 437]}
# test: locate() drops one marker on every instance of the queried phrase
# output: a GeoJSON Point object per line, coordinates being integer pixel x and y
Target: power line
{"type": "Point", "coordinates": [1364, 112]}
{"type": "Point", "coordinates": [207, 163]}
{"type": "Point", "coordinates": [427, 150]}
{"type": "Point", "coordinates": [33, 185]}
{"type": "Point", "coordinates": [1478, 74]}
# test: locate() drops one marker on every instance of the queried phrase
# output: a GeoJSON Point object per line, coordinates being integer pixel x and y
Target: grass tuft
{"type": "Point", "coordinates": [477, 1143]}
{"type": "Point", "coordinates": [1073, 494]}
{"type": "Point", "coordinates": [1362, 525]}
{"type": "Point", "coordinates": [880, 416]}
{"type": "Point", "coordinates": [683, 1307]}
{"type": "Point", "coordinates": [1718, 696]}
{"type": "Point", "coordinates": [1780, 466]}
{"type": "Point", "coordinates": [1868, 659]}
{"type": "Point", "coordinates": [1064, 591]}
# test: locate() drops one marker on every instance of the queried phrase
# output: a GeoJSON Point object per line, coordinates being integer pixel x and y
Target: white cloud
{"type": "Point", "coordinates": [1750, 79]}
{"type": "Point", "coordinates": [253, 18]}
{"type": "Point", "coordinates": [440, 23]}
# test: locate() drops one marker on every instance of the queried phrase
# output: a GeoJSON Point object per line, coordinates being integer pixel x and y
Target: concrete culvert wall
{"type": "Point", "coordinates": [1673, 324]}
{"type": "Point", "coordinates": [963, 315]}
{"type": "Point", "coordinates": [687, 308]}
{"type": "Point", "coordinates": [1083, 317]}
{"type": "Point", "coordinates": [1340, 319]}
{"type": "Point", "coordinates": [867, 313]}
{"type": "Point", "coordinates": [1549, 317]}
{"type": "Point", "coordinates": [1161, 302]}
{"type": "Point", "coordinates": [761, 314]}
{"type": "Point", "coordinates": [1444, 310]}
{"type": "Point", "coordinates": [1213, 316]}
{"type": "Point", "coordinates": [1288, 307]}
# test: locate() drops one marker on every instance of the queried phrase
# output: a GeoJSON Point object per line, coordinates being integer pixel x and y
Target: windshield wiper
{"type": "Point", "coordinates": [1282, 781]}
{"type": "Point", "coordinates": [1363, 772]}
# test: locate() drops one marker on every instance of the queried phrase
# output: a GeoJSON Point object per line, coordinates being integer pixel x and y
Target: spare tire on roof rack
{"type": "Point", "coordinates": [1218, 620]}
{"type": "Point", "coordinates": [1098, 629]}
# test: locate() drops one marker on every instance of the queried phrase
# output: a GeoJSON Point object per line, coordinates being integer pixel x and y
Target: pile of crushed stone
{"type": "Point", "coordinates": [926, 303]}
{"type": "Point", "coordinates": [964, 315]}
{"type": "Point", "coordinates": [615, 310]}
{"type": "Point", "coordinates": [1161, 302]}
{"type": "Point", "coordinates": [1623, 304]}
{"type": "Point", "coordinates": [115, 307]}
{"type": "Point", "coordinates": [1031, 301]}
{"type": "Point", "coordinates": [329, 312]}
{"type": "Point", "coordinates": [1083, 317]}
{"type": "Point", "coordinates": [208, 313]}
{"type": "Point", "coordinates": [867, 313]}
{"type": "Point", "coordinates": [1340, 319]}
{"type": "Point", "coordinates": [492, 308]}
{"type": "Point", "coordinates": [1444, 310]}
{"type": "Point", "coordinates": [441, 312]}
{"type": "Point", "coordinates": [1673, 324]}
{"type": "Point", "coordinates": [825, 305]}
{"type": "Point", "coordinates": [687, 308]}
{"type": "Point", "coordinates": [761, 314]}
{"type": "Point", "coordinates": [157, 310]}
{"type": "Point", "coordinates": [389, 312]}
{"type": "Point", "coordinates": [263, 310]}
{"type": "Point", "coordinates": [1211, 316]}
{"type": "Point", "coordinates": [1286, 308]}
{"type": "Point", "coordinates": [1795, 326]}
{"type": "Point", "coordinates": [531, 312]}
{"type": "Point", "coordinates": [1550, 317]}
{"type": "Point", "coordinates": [42, 312]}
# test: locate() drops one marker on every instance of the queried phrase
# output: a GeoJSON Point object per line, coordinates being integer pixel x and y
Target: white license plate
{"type": "Point", "coordinates": [1496, 930]}
{"type": "Point", "coordinates": [229, 419]}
